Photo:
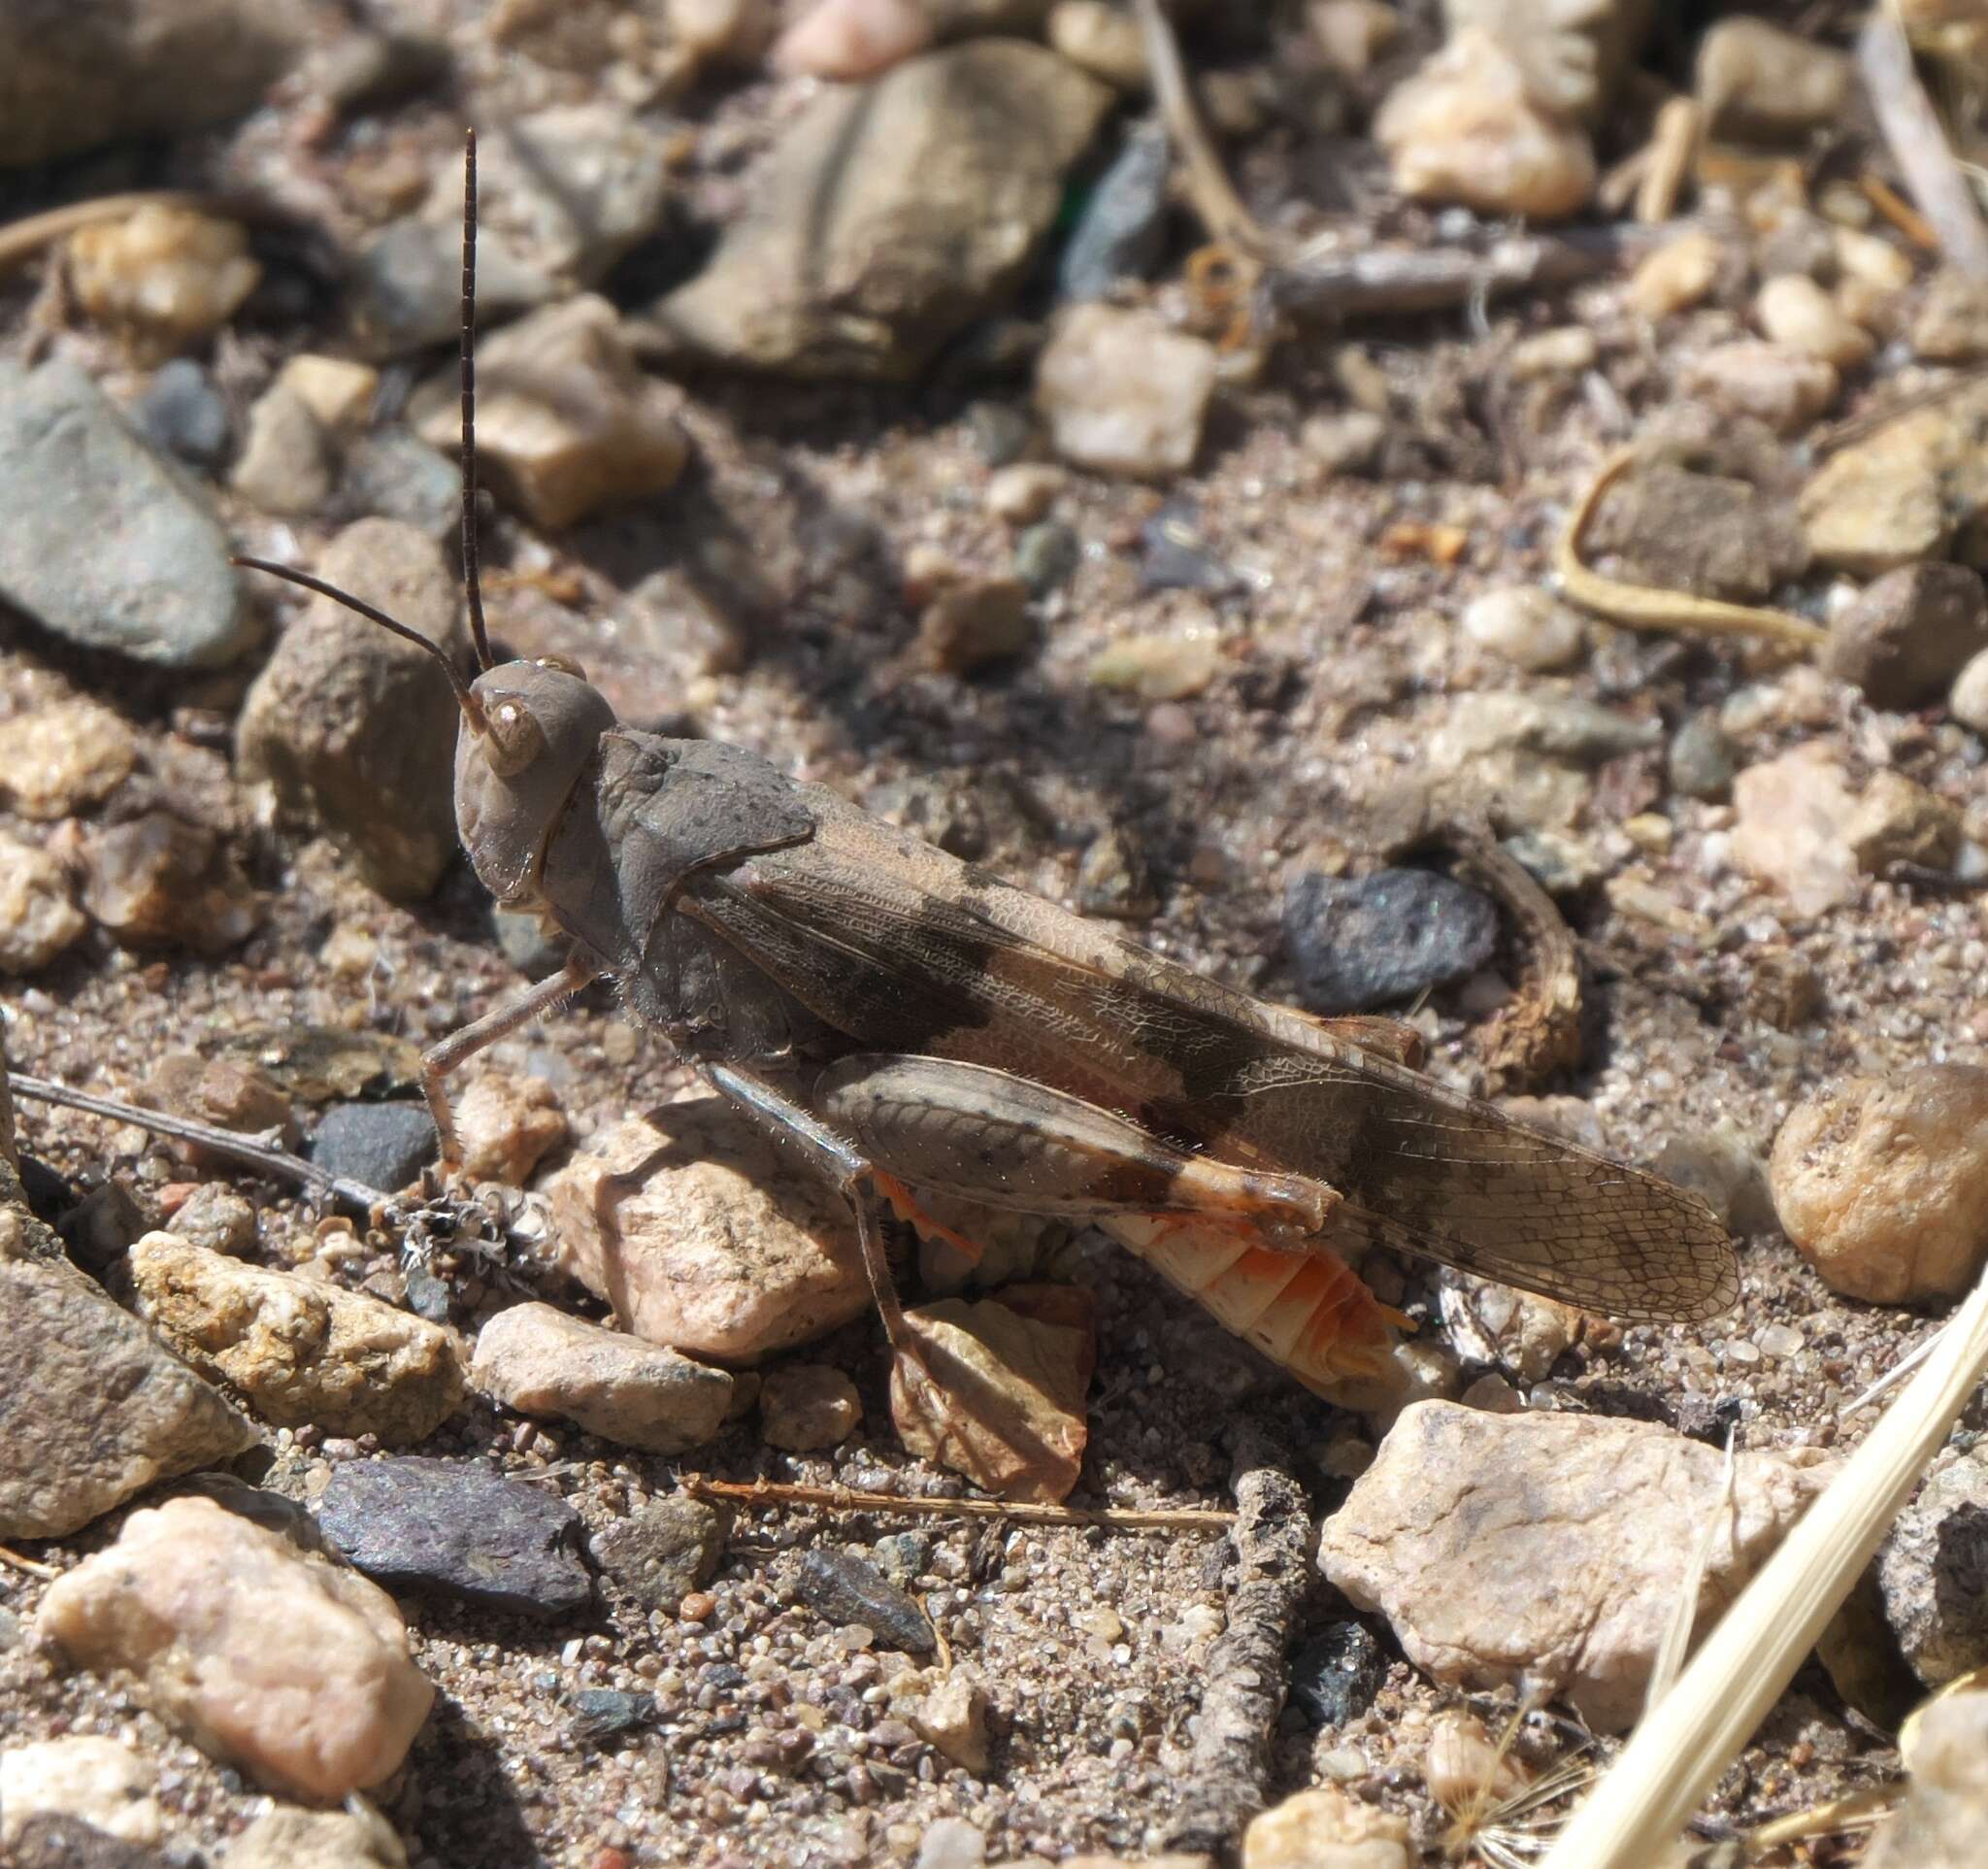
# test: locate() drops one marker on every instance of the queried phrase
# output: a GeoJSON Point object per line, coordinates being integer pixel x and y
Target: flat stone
{"type": "Point", "coordinates": [455, 1528]}
{"type": "Point", "coordinates": [279, 1663]}
{"type": "Point", "coordinates": [1794, 814]}
{"type": "Point", "coordinates": [1359, 943]}
{"type": "Point", "coordinates": [542, 1361]}
{"type": "Point", "coordinates": [71, 473]}
{"type": "Point", "coordinates": [183, 415]}
{"type": "Point", "coordinates": [1549, 1548]}
{"type": "Point", "coordinates": [381, 1145]}
{"type": "Point", "coordinates": [1714, 535]}
{"type": "Point", "coordinates": [354, 729]}
{"type": "Point", "coordinates": [286, 465]}
{"type": "Point", "coordinates": [843, 1586]}
{"type": "Point", "coordinates": [718, 1242]}
{"type": "Point", "coordinates": [1764, 381]}
{"type": "Point", "coordinates": [950, 173]}
{"type": "Point", "coordinates": [93, 1407]}
{"type": "Point", "coordinates": [301, 1351]}
{"type": "Point", "coordinates": [1882, 1183]}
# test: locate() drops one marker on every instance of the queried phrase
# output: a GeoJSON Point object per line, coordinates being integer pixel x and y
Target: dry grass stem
{"type": "Point", "coordinates": [1692, 1735]}
{"type": "Point", "coordinates": [776, 1493]}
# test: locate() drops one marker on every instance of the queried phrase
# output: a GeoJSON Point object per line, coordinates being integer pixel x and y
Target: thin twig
{"type": "Point", "coordinates": [1645, 606]}
{"type": "Point", "coordinates": [1216, 200]}
{"type": "Point", "coordinates": [272, 1160]}
{"type": "Point", "coordinates": [14, 1560]}
{"type": "Point", "coordinates": [777, 1492]}
{"type": "Point", "coordinates": [1918, 144]}
{"type": "Point", "coordinates": [1383, 282]}
{"type": "Point", "coordinates": [1896, 1374]}
{"type": "Point", "coordinates": [1228, 1771]}
{"type": "Point", "coordinates": [22, 239]}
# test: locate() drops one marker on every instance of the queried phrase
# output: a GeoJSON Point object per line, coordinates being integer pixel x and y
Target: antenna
{"type": "Point", "coordinates": [472, 707]}
{"type": "Point", "coordinates": [472, 584]}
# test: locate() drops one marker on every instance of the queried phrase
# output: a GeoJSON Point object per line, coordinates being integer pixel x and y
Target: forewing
{"type": "Point", "coordinates": [958, 966]}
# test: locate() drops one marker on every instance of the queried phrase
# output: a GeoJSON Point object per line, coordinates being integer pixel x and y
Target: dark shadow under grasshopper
{"type": "Point", "coordinates": [919, 1028]}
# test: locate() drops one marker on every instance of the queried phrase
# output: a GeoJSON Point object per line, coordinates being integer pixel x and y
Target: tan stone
{"type": "Point", "coordinates": [1551, 1548]}
{"type": "Point", "coordinates": [102, 1783]}
{"type": "Point", "coordinates": [1794, 814]}
{"type": "Point", "coordinates": [505, 1123]}
{"type": "Point", "coordinates": [283, 1665]}
{"type": "Point", "coordinates": [1122, 393]}
{"type": "Point", "coordinates": [1326, 1828]}
{"type": "Point", "coordinates": [705, 1235]}
{"type": "Point", "coordinates": [542, 1361]}
{"type": "Point", "coordinates": [300, 1350]}
{"type": "Point", "coordinates": [1882, 1183]}
{"type": "Point", "coordinates": [61, 758]}
{"type": "Point", "coordinates": [806, 1407]}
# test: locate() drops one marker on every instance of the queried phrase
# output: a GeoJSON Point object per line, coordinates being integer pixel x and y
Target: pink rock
{"type": "Point", "coordinates": [1794, 814]}
{"type": "Point", "coordinates": [851, 39]}
{"type": "Point", "coordinates": [706, 1237]}
{"type": "Point", "coordinates": [267, 1658]}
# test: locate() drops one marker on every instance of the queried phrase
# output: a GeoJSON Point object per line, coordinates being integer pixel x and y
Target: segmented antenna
{"type": "Point", "coordinates": [472, 583]}
{"type": "Point", "coordinates": [473, 709]}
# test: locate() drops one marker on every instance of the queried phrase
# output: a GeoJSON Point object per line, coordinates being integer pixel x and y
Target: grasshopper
{"type": "Point", "coordinates": [928, 1034]}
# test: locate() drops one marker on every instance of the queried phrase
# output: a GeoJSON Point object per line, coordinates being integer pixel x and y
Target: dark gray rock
{"type": "Point", "coordinates": [383, 1145]}
{"type": "Point", "coordinates": [604, 1713]}
{"type": "Point", "coordinates": [1122, 229]}
{"type": "Point", "coordinates": [1908, 635]}
{"type": "Point", "coordinates": [182, 414]}
{"type": "Point", "coordinates": [1361, 943]}
{"type": "Point", "coordinates": [1703, 757]}
{"type": "Point", "coordinates": [1177, 557]}
{"type": "Point", "coordinates": [1933, 1573]}
{"type": "Point", "coordinates": [457, 1529]}
{"type": "Point", "coordinates": [1336, 1673]}
{"type": "Point", "coordinates": [1046, 556]}
{"type": "Point", "coordinates": [661, 1552]}
{"type": "Point", "coordinates": [843, 1586]}
{"type": "Point", "coordinates": [904, 1556]}
{"type": "Point", "coordinates": [395, 474]}
{"type": "Point", "coordinates": [72, 475]}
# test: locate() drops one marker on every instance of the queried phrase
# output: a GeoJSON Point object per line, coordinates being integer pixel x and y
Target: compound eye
{"type": "Point", "coordinates": [563, 665]}
{"type": "Point", "coordinates": [515, 738]}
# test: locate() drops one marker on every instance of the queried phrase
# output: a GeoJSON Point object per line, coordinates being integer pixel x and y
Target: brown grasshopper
{"type": "Point", "coordinates": [924, 1031]}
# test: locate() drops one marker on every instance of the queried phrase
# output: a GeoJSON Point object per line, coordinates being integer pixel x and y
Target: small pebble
{"type": "Point", "coordinates": [507, 1124]}
{"type": "Point", "coordinates": [1882, 1183]}
{"type": "Point", "coordinates": [1121, 232]}
{"type": "Point", "coordinates": [1024, 492]}
{"type": "Point", "coordinates": [1701, 758]}
{"type": "Point", "coordinates": [1347, 441]}
{"type": "Point", "coordinates": [1335, 1674]}
{"type": "Point", "coordinates": [165, 276]}
{"type": "Point", "coordinates": [1676, 276]}
{"type": "Point", "coordinates": [843, 1586]}
{"type": "Point", "coordinates": [1526, 627]}
{"type": "Point", "coordinates": [1326, 1828]}
{"type": "Point", "coordinates": [63, 757]}
{"type": "Point", "coordinates": [157, 881]}
{"type": "Point", "coordinates": [1465, 128]}
{"type": "Point", "coordinates": [38, 913]}
{"type": "Point", "coordinates": [182, 414]}
{"type": "Point", "coordinates": [1360, 942]}
{"type": "Point", "coordinates": [1906, 638]}
{"type": "Point", "coordinates": [1797, 312]}
{"type": "Point", "coordinates": [850, 39]}
{"type": "Point", "coordinates": [286, 465]}
{"type": "Point", "coordinates": [1968, 701]}
{"type": "Point", "coordinates": [1124, 394]}
{"type": "Point", "coordinates": [1755, 77]}
{"type": "Point", "coordinates": [99, 1780]}
{"type": "Point", "coordinates": [804, 1407]}
{"type": "Point", "coordinates": [1562, 353]}
{"type": "Point", "coordinates": [1784, 388]}
{"type": "Point", "coordinates": [1101, 39]}
{"type": "Point", "coordinates": [1046, 556]}
{"type": "Point", "coordinates": [1159, 667]}
{"type": "Point", "coordinates": [974, 621]}
{"type": "Point", "coordinates": [664, 1552]}
{"type": "Point", "coordinates": [381, 1144]}
{"type": "Point", "coordinates": [1952, 325]}
{"type": "Point", "coordinates": [392, 474]}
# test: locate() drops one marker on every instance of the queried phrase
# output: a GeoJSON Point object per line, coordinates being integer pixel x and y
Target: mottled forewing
{"type": "Point", "coordinates": [943, 961]}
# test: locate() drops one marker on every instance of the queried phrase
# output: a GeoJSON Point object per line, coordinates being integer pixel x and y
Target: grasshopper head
{"type": "Point", "coordinates": [526, 737]}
